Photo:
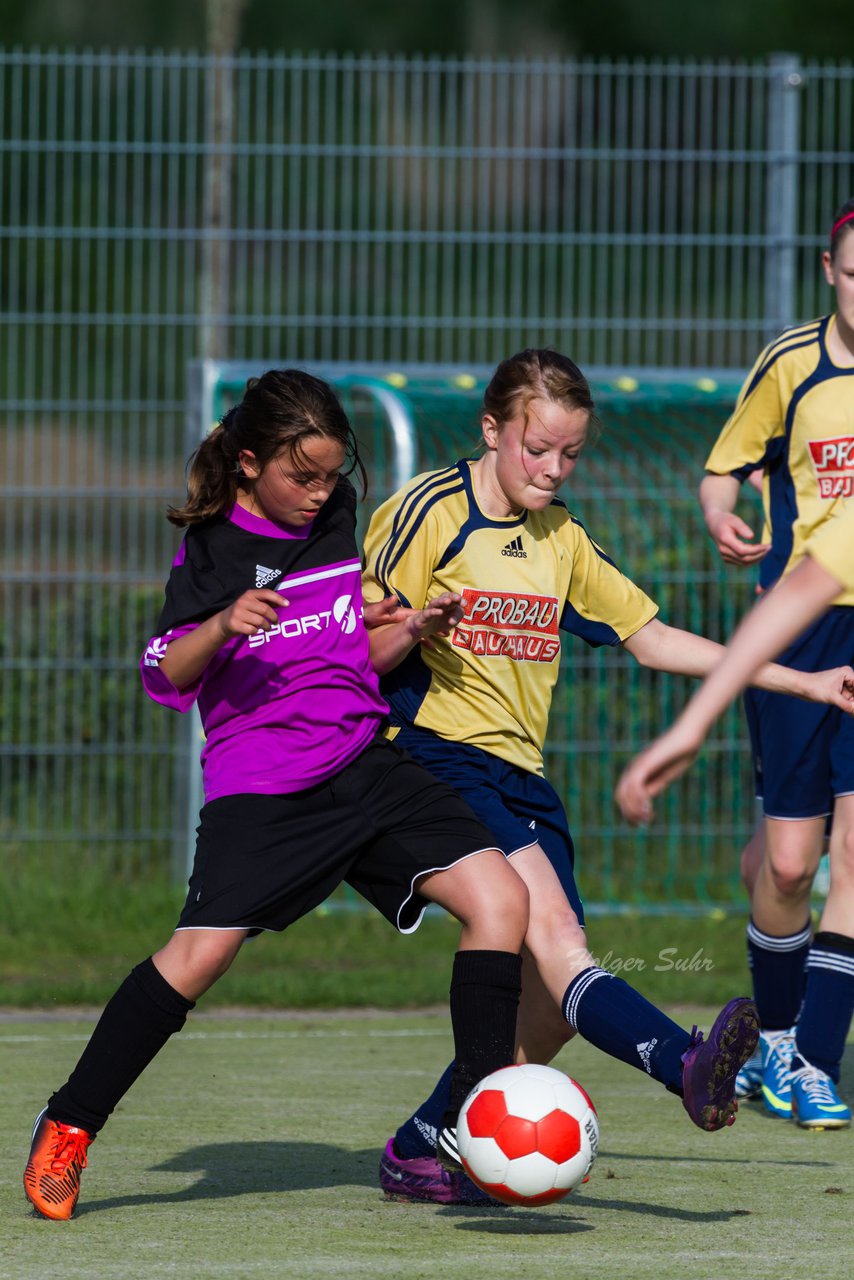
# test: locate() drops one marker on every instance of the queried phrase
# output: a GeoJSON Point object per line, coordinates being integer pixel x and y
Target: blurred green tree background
{"type": "Point", "coordinates": [558, 28]}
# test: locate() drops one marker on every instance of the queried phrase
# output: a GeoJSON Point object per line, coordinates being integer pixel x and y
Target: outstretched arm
{"type": "Point", "coordinates": [773, 623]}
{"type": "Point", "coordinates": [391, 643]}
{"type": "Point", "coordinates": [664, 648]}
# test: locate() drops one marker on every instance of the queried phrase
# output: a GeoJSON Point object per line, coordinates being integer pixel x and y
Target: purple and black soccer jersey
{"type": "Point", "coordinates": [286, 709]}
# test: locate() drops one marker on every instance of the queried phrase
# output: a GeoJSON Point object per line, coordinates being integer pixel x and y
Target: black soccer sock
{"type": "Point", "coordinates": [485, 989]}
{"type": "Point", "coordinates": [135, 1025]}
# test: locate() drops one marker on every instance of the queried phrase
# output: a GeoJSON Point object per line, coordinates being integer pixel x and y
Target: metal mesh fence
{"type": "Point", "coordinates": [157, 208]}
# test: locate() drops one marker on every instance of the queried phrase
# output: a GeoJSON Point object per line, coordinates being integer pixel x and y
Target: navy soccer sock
{"type": "Point", "coordinates": [620, 1021]}
{"type": "Point", "coordinates": [416, 1137]}
{"type": "Point", "coordinates": [135, 1025]}
{"type": "Point", "coordinates": [778, 965]}
{"type": "Point", "coordinates": [828, 1002]}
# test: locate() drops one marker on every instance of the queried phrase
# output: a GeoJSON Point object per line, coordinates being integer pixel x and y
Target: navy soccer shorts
{"type": "Point", "coordinates": [803, 752]}
{"type": "Point", "coordinates": [520, 808]}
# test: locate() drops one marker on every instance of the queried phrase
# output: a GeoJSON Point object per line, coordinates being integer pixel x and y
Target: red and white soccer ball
{"type": "Point", "coordinates": [528, 1134]}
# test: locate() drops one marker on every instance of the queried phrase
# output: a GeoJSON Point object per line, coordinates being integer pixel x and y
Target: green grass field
{"type": "Point", "coordinates": [250, 1148]}
{"type": "Point", "coordinates": [100, 929]}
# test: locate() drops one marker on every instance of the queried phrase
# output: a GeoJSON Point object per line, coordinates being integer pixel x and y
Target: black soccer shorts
{"type": "Point", "coordinates": [380, 824]}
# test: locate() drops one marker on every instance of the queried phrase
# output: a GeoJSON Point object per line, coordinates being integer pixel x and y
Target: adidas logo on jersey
{"type": "Point", "coordinates": [514, 548]}
{"type": "Point", "coordinates": [264, 576]}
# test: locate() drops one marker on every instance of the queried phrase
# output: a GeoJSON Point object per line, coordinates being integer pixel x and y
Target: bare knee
{"type": "Point", "coordinates": [504, 907]}
{"type": "Point", "coordinates": [789, 876]}
{"type": "Point", "coordinates": [792, 852]}
{"type": "Point", "coordinates": [194, 959]}
{"type": "Point", "coordinates": [839, 907]}
{"type": "Point", "coordinates": [487, 897]}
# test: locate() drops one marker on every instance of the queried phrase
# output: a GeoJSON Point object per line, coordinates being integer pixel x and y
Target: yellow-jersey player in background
{"type": "Point", "coordinates": [795, 419]}
{"type": "Point", "coordinates": [825, 572]}
{"type": "Point", "coordinates": [491, 541]}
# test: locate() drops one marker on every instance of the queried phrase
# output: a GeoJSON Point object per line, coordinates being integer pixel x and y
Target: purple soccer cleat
{"type": "Point", "coordinates": [424, 1179]}
{"type": "Point", "coordinates": [710, 1067]}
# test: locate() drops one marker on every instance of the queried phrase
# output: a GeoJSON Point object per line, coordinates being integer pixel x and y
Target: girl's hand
{"type": "Point", "coordinates": [651, 771]}
{"type": "Point", "coordinates": [437, 618]}
{"type": "Point", "coordinates": [384, 611]}
{"type": "Point", "coordinates": [391, 644]}
{"type": "Point", "coordinates": [835, 686]}
{"type": "Point", "coordinates": [252, 612]}
{"type": "Point", "coordinates": [734, 538]}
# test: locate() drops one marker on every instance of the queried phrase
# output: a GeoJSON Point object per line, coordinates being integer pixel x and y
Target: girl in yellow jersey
{"type": "Point", "coordinates": [491, 538]}
{"type": "Point", "coordinates": [825, 572]}
{"type": "Point", "coordinates": [795, 419]}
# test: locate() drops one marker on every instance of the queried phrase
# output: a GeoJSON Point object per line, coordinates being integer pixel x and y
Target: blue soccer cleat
{"type": "Point", "coordinates": [777, 1050]}
{"type": "Point", "coordinates": [425, 1179]}
{"type": "Point", "coordinates": [748, 1082]}
{"type": "Point", "coordinates": [815, 1102]}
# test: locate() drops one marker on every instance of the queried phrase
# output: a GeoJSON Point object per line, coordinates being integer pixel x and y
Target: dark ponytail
{"type": "Point", "coordinates": [212, 478]}
{"type": "Point", "coordinates": [278, 411]}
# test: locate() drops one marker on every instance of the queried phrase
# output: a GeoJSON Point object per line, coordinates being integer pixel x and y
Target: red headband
{"type": "Point", "coordinates": [841, 223]}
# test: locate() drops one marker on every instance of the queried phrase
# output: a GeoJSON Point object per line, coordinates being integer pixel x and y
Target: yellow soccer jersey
{"type": "Point", "coordinates": [795, 418]}
{"type": "Point", "coordinates": [490, 682]}
{"type": "Point", "coordinates": [833, 547]}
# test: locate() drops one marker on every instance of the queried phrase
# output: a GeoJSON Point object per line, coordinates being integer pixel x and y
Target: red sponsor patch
{"type": "Point", "coordinates": [834, 466]}
{"type": "Point", "coordinates": [509, 624]}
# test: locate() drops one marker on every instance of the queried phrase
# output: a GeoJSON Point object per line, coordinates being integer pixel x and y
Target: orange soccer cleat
{"type": "Point", "coordinates": [52, 1175]}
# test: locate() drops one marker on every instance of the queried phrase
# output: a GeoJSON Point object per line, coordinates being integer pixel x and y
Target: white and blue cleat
{"type": "Point", "coordinates": [815, 1101]}
{"type": "Point", "coordinates": [748, 1082]}
{"type": "Point", "coordinates": [777, 1048]}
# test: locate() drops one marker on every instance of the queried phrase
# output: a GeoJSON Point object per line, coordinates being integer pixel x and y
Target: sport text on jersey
{"type": "Point", "coordinates": [508, 624]}
{"type": "Point", "coordinates": [834, 466]}
{"type": "Point", "coordinates": [342, 613]}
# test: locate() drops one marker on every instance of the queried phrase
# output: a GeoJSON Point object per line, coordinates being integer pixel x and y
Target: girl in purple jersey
{"type": "Point", "coordinates": [263, 627]}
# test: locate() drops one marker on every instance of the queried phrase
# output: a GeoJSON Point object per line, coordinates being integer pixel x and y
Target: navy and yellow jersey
{"type": "Point", "coordinates": [795, 418]}
{"type": "Point", "coordinates": [833, 547]}
{"type": "Point", "coordinates": [521, 579]}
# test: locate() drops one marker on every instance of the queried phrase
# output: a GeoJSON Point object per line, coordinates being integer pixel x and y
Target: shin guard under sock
{"type": "Point", "coordinates": [485, 989]}
{"type": "Point", "coordinates": [135, 1025]}
{"type": "Point", "coordinates": [416, 1137]}
{"type": "Point", "coordinates": [778, 966]}
{"type": "Point", "coordinates": [619, 1020]}
{"type": "Point", "coordinates": [828, 1003]}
